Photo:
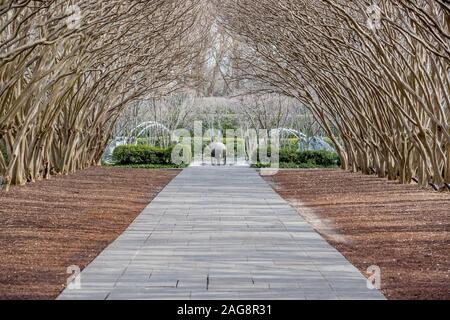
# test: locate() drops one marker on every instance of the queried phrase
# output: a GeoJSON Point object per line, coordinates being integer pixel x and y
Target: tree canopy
{"type": "Point", "coordinates": [375, 74]}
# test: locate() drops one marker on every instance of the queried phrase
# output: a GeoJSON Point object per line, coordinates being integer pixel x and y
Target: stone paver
{"type": "Point", "coordinates": [220, 233]}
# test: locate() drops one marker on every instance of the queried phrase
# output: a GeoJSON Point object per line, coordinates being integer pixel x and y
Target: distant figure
{"type": "Point", "coordinates": [217, 153]}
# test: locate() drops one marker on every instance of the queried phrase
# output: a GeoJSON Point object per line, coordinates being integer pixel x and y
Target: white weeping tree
{"type": "Point", "coordinates": [68, 69]}
{"type": "Point", "coordinates": [374, 74]}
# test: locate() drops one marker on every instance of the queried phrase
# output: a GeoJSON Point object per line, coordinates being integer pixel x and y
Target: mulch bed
{"type": "Point", "coordinates": [47, 226]}
{"type": "Point", "coordinates": [402, 229]}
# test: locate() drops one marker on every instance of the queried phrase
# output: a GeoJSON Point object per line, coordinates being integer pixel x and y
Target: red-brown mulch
{"type": "Point", "coordinates": [402, 229]}
{"type": "Point", "coordinates": [50, 225]}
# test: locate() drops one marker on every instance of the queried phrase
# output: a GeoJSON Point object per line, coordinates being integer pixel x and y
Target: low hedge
{"type": "Point", "coordinates": [290, 158]}
{"type": "Point", "coordinates": [147, 155]}
{"type": "Point", "coordinates": [141, 154]}
{"type": "Point", "coordinates": [285, 165]}
{"type": "Point", "coordinates": [288, 155]}
{"type": "Point", "coordinates": [319, 158]}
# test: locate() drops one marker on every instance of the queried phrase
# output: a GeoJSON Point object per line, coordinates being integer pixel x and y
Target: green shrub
{"type": "Point", "coordinates": [141, 154]}
{"type": "Point", "coordinates": [288, 155]}
{"type": "Point", "coordinates": [293, 165]}
{"type": "Point", "coordinates": [285, 165]}
{"type": "Point", "coordinates": [319, 158]}
{"type": "Point", "coordinates": [142, 142]}
{"type": "Point", "coordinates": [291, 143]}
{"type": "Point", "coordinates": [291, 159]}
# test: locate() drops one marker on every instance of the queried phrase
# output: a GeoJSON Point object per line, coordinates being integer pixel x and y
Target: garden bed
{"type": "Point", "coordinates": [402, 229]}
{"type": "Point", "coordinates": [50, 225]}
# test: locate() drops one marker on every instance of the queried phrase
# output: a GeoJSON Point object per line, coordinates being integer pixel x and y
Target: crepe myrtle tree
{"type": "Point", "coordinates": [67, 70]}
{"type": "Point", "coordinates": [374, 74]}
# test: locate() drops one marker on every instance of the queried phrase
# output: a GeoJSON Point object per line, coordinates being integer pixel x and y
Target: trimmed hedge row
{"type": "Point", "coordinates": [308, 159]}
{"type": "Point", "coordinates": [141, 154]}
{"type": "Point", "coordinates": [320, 158]}
{"type": "Point", "coordinates": [147, 155]}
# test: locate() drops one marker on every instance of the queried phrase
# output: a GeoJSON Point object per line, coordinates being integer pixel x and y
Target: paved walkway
{"type": "Point", "coordinates": [220, 233]}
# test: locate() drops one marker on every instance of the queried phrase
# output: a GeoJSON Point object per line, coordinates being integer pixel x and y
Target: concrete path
{"type": "Point", "coordinates": [220, 233]}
